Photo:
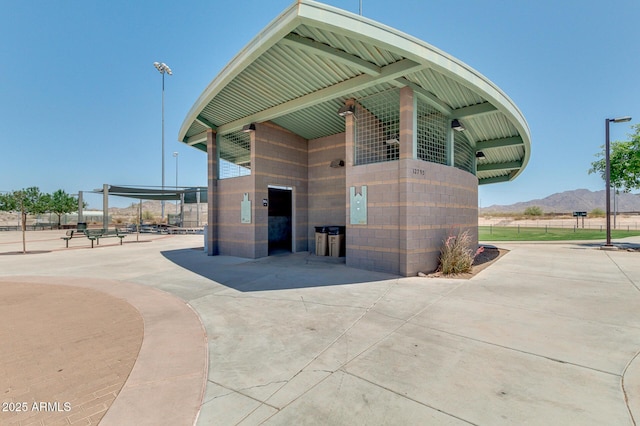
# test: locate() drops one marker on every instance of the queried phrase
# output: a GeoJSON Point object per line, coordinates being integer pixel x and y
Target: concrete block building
{"type": "Point", "coordinates": [330, 118]}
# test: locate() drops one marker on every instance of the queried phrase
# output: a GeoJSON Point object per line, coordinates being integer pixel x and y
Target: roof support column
{"type": "Point", "coordinates": [408, 133]}
{"type": "Point", "coordinates": [349, 134]}
{"type": "Point", "coordinates": [212, 180]}
{"type": "Point", "coordinates": [408, 152]}
{"type": "Point", "coordinates": [450, 145]}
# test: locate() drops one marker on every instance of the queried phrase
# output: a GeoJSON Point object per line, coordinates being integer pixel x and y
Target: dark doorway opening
{"type": "Point", "coordinates": [280, 220]}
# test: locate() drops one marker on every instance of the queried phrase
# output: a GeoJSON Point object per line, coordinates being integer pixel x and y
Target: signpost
{"type": "Point", "coordinates": [578, 215]}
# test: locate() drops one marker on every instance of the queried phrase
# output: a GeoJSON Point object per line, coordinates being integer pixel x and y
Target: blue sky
{"type": "Point", "coordinates": [80, 100]}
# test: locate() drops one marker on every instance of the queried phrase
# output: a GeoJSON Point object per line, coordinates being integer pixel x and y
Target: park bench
{"type": "Point", "coordinates": [96, 234]}
{"type": "Point", "coordinates": [93, 235]}
{"type": "Point", "coordinates": [71, 234]}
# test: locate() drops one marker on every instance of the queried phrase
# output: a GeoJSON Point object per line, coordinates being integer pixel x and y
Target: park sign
{"type": "Point", "coordinates": [580, 214]}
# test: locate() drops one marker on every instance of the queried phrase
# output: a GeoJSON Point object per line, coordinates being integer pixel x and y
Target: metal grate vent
{"type": "Point", "coordinates": [464, 153]}
{"type": "Point", "coordinates": [432, 134]}
{"type": "Point", "coordinates": [234, 155]}
{"type": "Point", "coordinates": [378, 128]}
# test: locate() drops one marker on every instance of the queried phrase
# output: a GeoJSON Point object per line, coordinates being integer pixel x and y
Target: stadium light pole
{"type": "Point", "coordinates": [163, 69]}
{"type": "Point", "coordinates": [608, 173]}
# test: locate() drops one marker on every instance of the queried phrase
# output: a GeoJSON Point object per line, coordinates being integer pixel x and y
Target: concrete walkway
{"type": "Point", "coordinates": [549, 334]}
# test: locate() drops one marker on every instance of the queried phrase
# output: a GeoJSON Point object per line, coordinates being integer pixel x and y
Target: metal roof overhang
{"type": "Point", "coordinates": [307, 62]}
{"type": "Point", "coordinates": [167, 194]}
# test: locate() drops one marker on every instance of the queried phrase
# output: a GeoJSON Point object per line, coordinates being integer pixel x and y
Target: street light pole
{"type": "Point", "coordinates": [175, 155]}
{"type": "Point", "coordinates": [608, 173]}
{"type": "Point", "coordinates": [162, 68]}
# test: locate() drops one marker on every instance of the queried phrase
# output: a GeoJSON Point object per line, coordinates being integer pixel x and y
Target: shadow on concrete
{"type": "Point", "coordinates": [619, 245]}
{"type": "Point", "coordinates": [279, 272]}
{"type": "Point", "coordinates": [11, 253]}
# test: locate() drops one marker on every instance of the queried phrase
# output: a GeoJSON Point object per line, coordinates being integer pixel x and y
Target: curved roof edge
{"type": "Point", "coordinates": [318, 15]}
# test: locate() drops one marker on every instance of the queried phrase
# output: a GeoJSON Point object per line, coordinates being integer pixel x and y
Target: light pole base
{"type": "Point", "coordinates": [609, 247]}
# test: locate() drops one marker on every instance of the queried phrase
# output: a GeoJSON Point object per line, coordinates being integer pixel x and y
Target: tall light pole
{"type": "Point", "coordinates": [608, 173]}
{"type": "Point", "coordinates": [175, 155]}
{"type": "Point", "coordinates": [163, 69]}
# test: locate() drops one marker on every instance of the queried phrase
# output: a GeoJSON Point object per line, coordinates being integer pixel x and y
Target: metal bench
{"type": "Point", "coordinates": [71, 234]}
{"type": "Point", "coordinates": [96, 234]}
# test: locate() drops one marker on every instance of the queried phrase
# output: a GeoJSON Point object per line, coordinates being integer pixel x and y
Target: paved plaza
{"type": "Point", "coordinates": [154, 332]}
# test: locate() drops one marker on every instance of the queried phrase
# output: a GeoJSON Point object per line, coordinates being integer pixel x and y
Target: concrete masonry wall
{"type": "Point", "coordinates": [412, 206]}
{"type": "Point", "coordinates": [234, 238]}
{"type": "Point", "coordinates": [326, 185]}
{"type": "Point", "coordinates": [279, 158]}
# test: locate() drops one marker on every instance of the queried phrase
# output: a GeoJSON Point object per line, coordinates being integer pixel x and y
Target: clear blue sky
{"type": "Point", "coordinates": [80, 101]}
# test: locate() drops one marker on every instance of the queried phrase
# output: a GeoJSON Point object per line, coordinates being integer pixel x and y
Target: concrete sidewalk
{"type": "Point", "coordinates": [549, 334]}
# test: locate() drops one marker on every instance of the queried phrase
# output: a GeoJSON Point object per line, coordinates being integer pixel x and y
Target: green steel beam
{"type": "Point", "coordinates": [478, 109]}
{"type": "Point", "coordinates": [428, 97]}
{"type": "Point", "coordinates": [344, 88]}
{"type": "Point", "coordinates": [490, 167]}
{"type": "Point", "coordinates": [496, 179]}
{"type": "Point", "coordinates": [200, 119]}
{"type": "Point", "coordinates": [196, 139]}
{"type": "Point", "coordinates": [499, 143]}
{"type": "Point", "coordinates": [321, 49]}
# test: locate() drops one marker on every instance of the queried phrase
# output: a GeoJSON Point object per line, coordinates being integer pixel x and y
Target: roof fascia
{"type": "Point", "coordinates": [346, 23]}
{"type": "Point", "coordinates": [273, 32]}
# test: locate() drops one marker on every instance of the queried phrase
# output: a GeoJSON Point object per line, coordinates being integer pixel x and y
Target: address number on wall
{"type": "Point", "coordinates": [418, 172]}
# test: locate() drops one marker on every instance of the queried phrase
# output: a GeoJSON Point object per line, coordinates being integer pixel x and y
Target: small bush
{"type": "Point", "coordinates": [533, 211]}
{"type": "Point", "coordinates": [596, 213]}
{"type": "Point", "coordinates": [456, 256]}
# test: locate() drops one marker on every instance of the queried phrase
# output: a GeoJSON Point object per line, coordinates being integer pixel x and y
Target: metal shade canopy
{"type": "Point", "coordinates": [299, 71]}
{"type": "Point", "coordinates": [190, 196]}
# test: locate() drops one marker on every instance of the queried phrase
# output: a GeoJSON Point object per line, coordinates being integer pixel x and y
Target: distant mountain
{"type": "Point", "coordinates": [570, 201]}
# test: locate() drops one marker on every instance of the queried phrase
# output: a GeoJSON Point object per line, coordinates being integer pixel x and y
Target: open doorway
{"type": "Point", "coordinates": [280, 220]}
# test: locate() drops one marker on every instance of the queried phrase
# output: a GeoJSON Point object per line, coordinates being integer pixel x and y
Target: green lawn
{"type": "Point", "coordinates": [503, 233]}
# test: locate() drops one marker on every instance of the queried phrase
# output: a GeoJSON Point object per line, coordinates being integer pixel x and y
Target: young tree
{"type": "Point", "coordinates": [60, 203]}
{"type": "Point", "coordinates": [624, 160]}
{"type": "Point", "coordinates": [26, 201]}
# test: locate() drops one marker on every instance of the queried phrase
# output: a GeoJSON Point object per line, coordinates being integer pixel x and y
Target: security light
{"type": "Point", "coordinates": [249, 128]}
{"type": "Point", "coordinates": [480, 155]}
{"type": "Point", "coordinates": [346, 110]}
{"type": "Point", "coordinates": [457, 126]}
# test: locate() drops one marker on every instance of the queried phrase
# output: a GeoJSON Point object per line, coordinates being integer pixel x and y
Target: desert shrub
{"type": "Point", "coordinates": [596, 213]}
{"type": "Point", "coordinates": [533, 211]}
{"type": "Point", "coordinates": [456, 255]}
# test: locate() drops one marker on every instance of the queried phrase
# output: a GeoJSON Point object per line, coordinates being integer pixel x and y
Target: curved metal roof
{"type": "Point", "coordinates": [307, 62]}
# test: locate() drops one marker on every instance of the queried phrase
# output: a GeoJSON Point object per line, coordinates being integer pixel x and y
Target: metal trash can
{"type": "Point", "coordinates": [336, 240]}
{"type": "Point", "coordinates": [321, 240]}
{"type": "Point", "coordinates": [81, 226]}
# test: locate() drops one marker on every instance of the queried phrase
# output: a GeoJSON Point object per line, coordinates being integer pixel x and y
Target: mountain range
{"type": "Point", "coordinates": [570, 201]}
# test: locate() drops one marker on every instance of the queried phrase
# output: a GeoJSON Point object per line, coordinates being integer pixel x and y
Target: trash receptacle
{"type": "Point", "coordinates": [321, 240]}
{"type": "Point", "coordinates": [81, 226]}
{"type": "Point", "coordinates": [336, 240]}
